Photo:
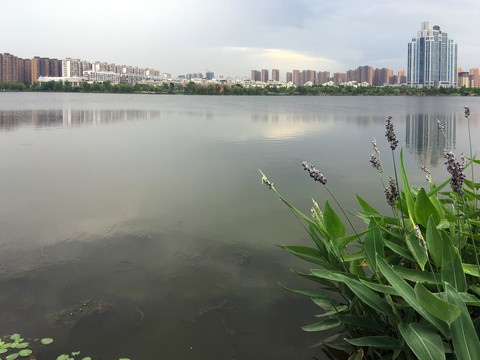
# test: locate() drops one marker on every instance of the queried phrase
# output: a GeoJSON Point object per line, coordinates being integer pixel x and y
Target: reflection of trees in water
{"type": "Point", "coordinates": [423, 137]}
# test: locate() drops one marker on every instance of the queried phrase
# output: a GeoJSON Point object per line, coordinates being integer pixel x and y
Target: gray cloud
{"type": "Point", "coordinates": [180, 36]}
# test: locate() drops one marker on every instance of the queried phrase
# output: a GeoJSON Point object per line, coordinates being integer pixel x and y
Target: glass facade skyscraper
{"type": "Point", "coordinates": [432, 58]}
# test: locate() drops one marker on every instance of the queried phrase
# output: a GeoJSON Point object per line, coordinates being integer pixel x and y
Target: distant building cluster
{"type": "Point", "coordinates": [363, 75]}
{"type": "Point", "coordinates": [13, 68]}
{"type": "Point", "coordinates": [38, 69]}
{"type": "Point", "coordinates": [431, 62]}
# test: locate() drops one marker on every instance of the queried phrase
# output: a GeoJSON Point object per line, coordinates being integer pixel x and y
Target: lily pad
{"type": "Point", "coordinates": [46, 341]}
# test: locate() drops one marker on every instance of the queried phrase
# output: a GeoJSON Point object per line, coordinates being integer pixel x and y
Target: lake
{"type": "Point", "coordinates": [147, 213]}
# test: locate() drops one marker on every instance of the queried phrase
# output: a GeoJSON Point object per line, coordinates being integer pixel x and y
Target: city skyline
{"type": "Point", "coordinates": [233, 37]}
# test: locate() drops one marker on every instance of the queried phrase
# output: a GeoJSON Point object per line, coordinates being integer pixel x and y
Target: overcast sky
{"type": "Point", "coordinates": [231, 37]}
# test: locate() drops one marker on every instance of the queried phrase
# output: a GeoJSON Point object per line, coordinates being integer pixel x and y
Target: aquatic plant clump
{"type": "Point", "coordinates": [405, 287]}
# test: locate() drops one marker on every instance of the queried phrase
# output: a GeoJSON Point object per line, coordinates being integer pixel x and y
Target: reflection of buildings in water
{"type": "Point", "coordinates": [424, 138]}
{"type": "Point", "coordinates": [10, 120]}
{"type": "Point", "coordinates": [101, 116]}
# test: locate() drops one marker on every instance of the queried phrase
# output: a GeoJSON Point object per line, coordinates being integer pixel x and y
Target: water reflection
{"type": "Point", "coordinates": [10, 120]}
{"type": "Point", "coordinates": [423, 137]}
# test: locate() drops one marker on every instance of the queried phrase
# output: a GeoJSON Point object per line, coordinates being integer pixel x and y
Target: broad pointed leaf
{"type": "Point", "coordinates": [373, 244]}
{"type": "Point", "coordinates": [369, 297]}
{"type": "Point", "coordinates": [424, 208]}
{"type": "Point", "coordinates": [324, 325]}
{"type": "Point", "coordinates": [381, 342]}
{"type": "Point", "coordinates": [452, 270]}
{"type": "Point", "coordinates": [436, 306]}
{"type": "Point", "coordinates": [464, 337]}
{"type": "Point", "coordinates": [416, 249]}
{"type": "Point", "coordinates": [365, 206]}
{"type": "Point", "coordinates": [408, 294]}
{"type": "Point", "coordinates": [424, 342]}
{"type": "Point", "coordinates": [332, 222]}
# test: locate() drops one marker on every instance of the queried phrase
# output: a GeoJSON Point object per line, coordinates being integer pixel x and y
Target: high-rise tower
{"type": "Point", "coordinates": [432, 58]}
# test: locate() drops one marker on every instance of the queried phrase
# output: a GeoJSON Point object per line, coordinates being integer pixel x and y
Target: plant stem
{"type": "Point", "coordinates": [471, 158]}
{"type": "Point", "coordinates": [400, 196]}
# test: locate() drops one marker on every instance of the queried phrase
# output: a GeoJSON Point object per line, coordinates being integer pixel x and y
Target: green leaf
{"type": "Point", "coordinates": [468, 299]}
{"type": "Point", "coordinates": [398, 250]}
{"type": "Point", "coordinates": [15, 336]}
{"type": "Point", "coordinates": [406, 189]}
{"type": "Point", "coordinates": [46, 341]}
{"type": "Point", "coordinates": [359, 255]}
{"type": "Point", "coordinates": [344, 241]}
{"type": "Point", "coordinates": [311, 294]}
{"type": "Point", "coordinates": [434, 243]}
{"type": "Point", "coordinates": [380, 288]}
{"type": "Point", "coordinates": [381, 342]}
{"type": "Point", "coordinates": [408, 294]}
{"type": "Point", "coordinates": [425, 343]}
{"type": "Point", "coordinates": [434, 305]}
{"type": "Point", "coordinates": [361, 322]}
{"type": "Point", "coordinates": [373, 244]}
{"type": "Point", "coordinates": [75, 353]}
{"type": "Point", "coordinates": [452, 270]}
{"type": "Point", "coordinates": [324, 325]}
{"type": "Point", "coordinates": [334, 311]}
{"type": "Point", "coordinates": [471, 184]}
{"type": "Point", "coordinates": [369, 297]}
{"type": "Point", "coordinates": [365, 206]}
{"type": "Point", "coordinates": [472, 195]}
{"type": "Point", "coordinates": [332, 275]}
{"type": "Point", "coordinates": [464, 337]}
{"type": "Point", "coordinates": [417, 275]}
{"type": "Point", "coordinates": [424, 208]}
{"type": "Point", "coordinates": [313, 232]}
{"type": "Point", "coordinates": [327, 304]}
{"type": "Point", "coordinates": [471, 269]}
{"type": "Point", "coordinates": [332, 222]}
{"type": "Point", "coordinates": [308, 254]}
{"type": "Point", "coordinates": [356, 268]}
{"type": "Point", "coordinates": [304, 250]}
{"type": "Point", "coordinates": [25, 352]}
{"type": "Point", "coordinates": [87, 358]}
{"type": "Point", "coordinates": [416, 249]}
{"type": "Point", "coordinates": [63, 357]}
{"type": "Point", "coordinates": [12, 356]}
{"type": "Point", "coordinates": [435, 189]}
{"type": "Point", "coordinates": [22, 345]}
{"type": "Point", "coordinates": [328, 284]}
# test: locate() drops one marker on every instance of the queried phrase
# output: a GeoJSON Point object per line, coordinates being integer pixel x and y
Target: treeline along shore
{"type": "Point", "coordinates": [216, 89]}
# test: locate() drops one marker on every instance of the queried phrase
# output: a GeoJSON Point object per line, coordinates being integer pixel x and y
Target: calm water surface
{"type": "Point", "coordinates": [150, 210]}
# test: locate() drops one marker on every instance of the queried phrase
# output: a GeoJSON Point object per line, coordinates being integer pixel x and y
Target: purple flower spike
{"type": "Point", "coordinates": [391, 192]}
{"type": "Point", "coordinates": [455, 169]}
{"type": "Point", "coordinates": [390, 134]}
{"type": "Point", "coordinates": [314, 173]}
{"type": "Point", "coordinates": [375, 163]}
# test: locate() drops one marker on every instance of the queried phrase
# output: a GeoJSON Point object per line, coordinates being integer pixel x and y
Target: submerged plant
{"type": "Point", "coordinates": [406, 287]}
